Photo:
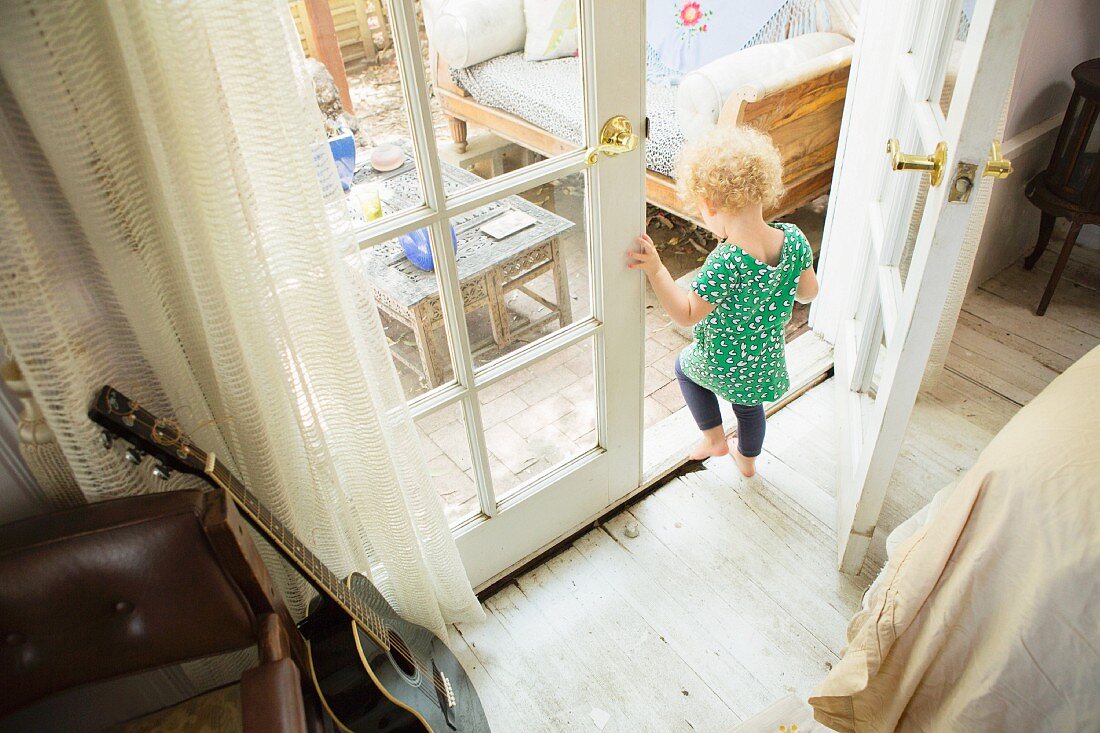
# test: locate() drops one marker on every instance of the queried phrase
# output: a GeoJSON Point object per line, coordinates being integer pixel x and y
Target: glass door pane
{"type": "Point", "coordinates": [507, 85]}
{"type": "Point", "coordinates": [546, 417]}
{"type": "Point", "coordinates": [500, 277]}
{"type": "Point", "coordinates": [446, 448]}
{"type": "Point", "coordinates": [525, 265]}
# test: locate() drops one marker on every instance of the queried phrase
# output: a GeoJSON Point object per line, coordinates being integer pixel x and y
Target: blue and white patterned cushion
{"type": "Point", "coordinates": [548, 94]}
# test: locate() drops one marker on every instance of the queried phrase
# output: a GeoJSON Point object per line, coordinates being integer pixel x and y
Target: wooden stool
{"type": "Point", "coordinates": [1070, 185]}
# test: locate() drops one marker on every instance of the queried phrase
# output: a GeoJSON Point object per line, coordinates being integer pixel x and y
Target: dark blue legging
{"type": "Point", "coordinates": [704, 408]}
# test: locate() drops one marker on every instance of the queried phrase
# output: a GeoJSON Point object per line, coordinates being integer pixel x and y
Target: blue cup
{"type": "Point", "coordinates": [343, 152]}
{"type": "Point", "coordinates": [418, 248]}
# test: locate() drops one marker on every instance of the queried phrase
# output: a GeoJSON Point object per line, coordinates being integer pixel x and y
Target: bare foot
{"type": "Point", "coordinates": [708, 448]}
{"type": "Point", "coordinates": [746, 465]}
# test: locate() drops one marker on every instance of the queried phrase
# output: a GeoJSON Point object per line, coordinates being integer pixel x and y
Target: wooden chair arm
{"type": "Point", "coordinates": [441, 74]}
{"type": "Point", "coordinates": [271, 699]}
{"type": "Point", "coordinates": [228, 533]}
{"type": "Point", "coordinates": [273, 640]}
{"type": "Point", "coordinates": [807, 74]}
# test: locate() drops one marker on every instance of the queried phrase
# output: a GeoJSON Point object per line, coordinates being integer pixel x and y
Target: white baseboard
{"type": "Point", "coordinates": [1031, 137]}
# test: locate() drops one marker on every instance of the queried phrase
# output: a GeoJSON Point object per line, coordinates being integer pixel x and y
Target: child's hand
{"type": "Point", "coordinates": [648, 261]}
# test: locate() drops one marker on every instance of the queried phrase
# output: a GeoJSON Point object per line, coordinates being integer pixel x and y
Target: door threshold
{"type": "Point", "coordinates": [810, 361]}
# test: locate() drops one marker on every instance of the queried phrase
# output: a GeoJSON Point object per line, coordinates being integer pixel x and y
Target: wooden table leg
{"type": "Point", "coordinates": [1056, 275]}
{"type": "Point", "coordinates": [561, 285]}
{"type": "Point", "coordinates": [498, 311]}
{"type": "Point", "coordinates": [1046, 227]}
{"type": "Point", "coordinates": [425, 343]}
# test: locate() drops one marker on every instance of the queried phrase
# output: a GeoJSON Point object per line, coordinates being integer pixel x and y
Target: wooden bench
{"type": "Point", "coordinates": [800, 108]}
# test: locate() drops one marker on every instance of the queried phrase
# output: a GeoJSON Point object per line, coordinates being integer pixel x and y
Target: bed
{"type": "Point", "coordinates": [987, 614]}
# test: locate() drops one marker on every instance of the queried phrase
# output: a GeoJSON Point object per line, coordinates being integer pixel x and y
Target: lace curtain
{"type": "Point", "coordinates": [171, 223]}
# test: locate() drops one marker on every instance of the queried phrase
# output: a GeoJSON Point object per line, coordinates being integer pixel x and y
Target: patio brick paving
{"type": "Point", "coordinates": [546, 414]}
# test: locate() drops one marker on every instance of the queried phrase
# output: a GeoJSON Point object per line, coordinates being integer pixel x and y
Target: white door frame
{"type": "Point", "coordinates": [579, 490]}
{"type": "Point", "coordinates": [863, 299]}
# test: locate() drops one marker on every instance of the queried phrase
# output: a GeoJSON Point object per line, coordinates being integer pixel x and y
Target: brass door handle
{"type": "Point", "coordinates": [616, 137]}
{"type": "Point", "coordinates": [997, 166]}
{"type": "Point", "coordinates": [932, 164]}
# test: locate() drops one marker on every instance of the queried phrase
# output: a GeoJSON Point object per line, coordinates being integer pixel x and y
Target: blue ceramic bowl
{"type": "Point", "coordinates": [343, 152]}
{"type": "Point", "coordinates": [419, 249]}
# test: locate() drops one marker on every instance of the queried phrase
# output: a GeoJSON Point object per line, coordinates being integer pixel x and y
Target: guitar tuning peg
{"type": "Point", "coordinates": [106, 440]}
{"type": "Point", "coordinates": [134, 456]}
{"type": "Point", "coordinates": [162, 471]}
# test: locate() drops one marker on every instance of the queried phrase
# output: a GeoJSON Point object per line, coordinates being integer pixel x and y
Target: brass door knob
{"type": "Point", "coordinates": [616, 137]}
{"type": "Point", "coordinates": [932, 164]}
{"type": "Point", "coordinates": [997, 166]}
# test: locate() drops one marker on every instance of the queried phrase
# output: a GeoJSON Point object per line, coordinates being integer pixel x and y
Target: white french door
{"type": "Point", "coordinates": [929, 81]}
{"type": "Point", "coordinates": [523, 494]}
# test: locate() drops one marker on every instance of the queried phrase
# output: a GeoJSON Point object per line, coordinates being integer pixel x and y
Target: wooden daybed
{"type": "Point", "coordinates": [800, 108]}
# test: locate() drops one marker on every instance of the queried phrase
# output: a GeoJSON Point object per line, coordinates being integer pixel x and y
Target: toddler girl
{"type": "Point", "coordinates": [742, 297]}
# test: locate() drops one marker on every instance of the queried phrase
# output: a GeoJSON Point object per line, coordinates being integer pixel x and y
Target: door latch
{"type": "Point", "coordinates": [616, 137]}
{"type": "Point", "coordinates": [962, 183]}
{"type": "Point", "coordinates": [966, 174]}
{"type": "Point", "coordinates": [997, 166]}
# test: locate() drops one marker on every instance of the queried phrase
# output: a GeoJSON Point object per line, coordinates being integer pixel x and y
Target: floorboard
{"type": "Point", "coordinates": [727, 601]}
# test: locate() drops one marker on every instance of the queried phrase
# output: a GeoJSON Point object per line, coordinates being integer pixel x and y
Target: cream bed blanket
{"type": "Point", "coordinates": [987, 618]}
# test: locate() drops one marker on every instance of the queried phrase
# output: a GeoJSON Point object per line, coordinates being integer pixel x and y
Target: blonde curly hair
{"type": "Point", "coordinates": [731, 167]}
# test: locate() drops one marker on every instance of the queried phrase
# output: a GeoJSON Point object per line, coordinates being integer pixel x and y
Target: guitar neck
{"type": "Point", "coordinates": [297, 553]}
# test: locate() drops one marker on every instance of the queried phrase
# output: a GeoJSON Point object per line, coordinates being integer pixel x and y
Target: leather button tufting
{"type": "Point", "coordinates": [124, 607]}
{"type": "Point", "coordinates": [14, 639]}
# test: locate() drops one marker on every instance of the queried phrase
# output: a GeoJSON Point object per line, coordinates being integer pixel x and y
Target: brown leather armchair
{"type": "Point", "coordinates": [108, 589]}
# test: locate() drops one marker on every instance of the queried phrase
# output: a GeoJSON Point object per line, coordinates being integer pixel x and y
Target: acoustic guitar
{"type": "Point", "coordinates": [372, 670]}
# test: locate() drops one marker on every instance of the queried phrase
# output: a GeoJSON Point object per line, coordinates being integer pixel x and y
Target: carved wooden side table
{"type": "Point", "coordinates": [1070, 185]}
{"type": "Point", "coordinates": [488, 270]}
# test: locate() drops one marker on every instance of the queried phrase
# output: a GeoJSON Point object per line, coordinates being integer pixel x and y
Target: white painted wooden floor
{"type": "Point", "coordinates": [728, 600]}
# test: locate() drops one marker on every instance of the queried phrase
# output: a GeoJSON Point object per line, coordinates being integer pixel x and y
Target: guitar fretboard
{"type": "Point", "coordinates": [310, 564]}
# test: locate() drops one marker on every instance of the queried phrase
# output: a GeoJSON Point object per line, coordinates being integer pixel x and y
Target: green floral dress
{"type": "Point", "coordinates": [738, 348]}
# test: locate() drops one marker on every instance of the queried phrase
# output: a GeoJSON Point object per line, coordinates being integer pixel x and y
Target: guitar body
{"type": "Point", "coordinates": [365, 688]}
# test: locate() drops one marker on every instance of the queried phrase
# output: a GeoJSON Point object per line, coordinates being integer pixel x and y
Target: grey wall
{"type": "Point", "coordinates": [1060, 35]}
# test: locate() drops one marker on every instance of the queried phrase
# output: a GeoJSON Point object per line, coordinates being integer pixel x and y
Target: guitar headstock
{"type": "Point", "coordinates": [122, 417]}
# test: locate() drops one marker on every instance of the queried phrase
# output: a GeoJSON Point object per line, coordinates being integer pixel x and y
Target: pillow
{"type": "Point", "coordinates": [467, 32]}
{"type": "Point", "coordinates": [702, 93]}
{"type": "Point", "coordinates": [551, 29]}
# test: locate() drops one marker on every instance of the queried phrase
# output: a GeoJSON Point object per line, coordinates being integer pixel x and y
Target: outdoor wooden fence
{"type": "Point", "coordinates": [361, 29]}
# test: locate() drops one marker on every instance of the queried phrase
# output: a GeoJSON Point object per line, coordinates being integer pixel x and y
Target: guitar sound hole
{"type": "Point", "coordinates": [401, 654]}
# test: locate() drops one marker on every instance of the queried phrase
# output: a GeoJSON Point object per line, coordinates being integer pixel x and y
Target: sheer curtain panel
{"type": "Point", "coordinates": [171, 223]}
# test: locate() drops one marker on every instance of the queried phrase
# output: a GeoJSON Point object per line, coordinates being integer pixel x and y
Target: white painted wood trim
{"type": "Point", "coordinates": [985, 74]}
{"type": "Point", "coordinates": [837, 262]}
{"type": "Point", "coordinates": [551, 506]}
{"type": "Point", "coordinates": [1023, 141]}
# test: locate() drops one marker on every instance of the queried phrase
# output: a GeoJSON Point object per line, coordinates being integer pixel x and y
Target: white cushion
{"type": "Point", "coordinates": [551, 29]}
{"type": "Point", "coordinates": [702, 92]}
{"type": "Point", "coordinates": [467, 32]}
